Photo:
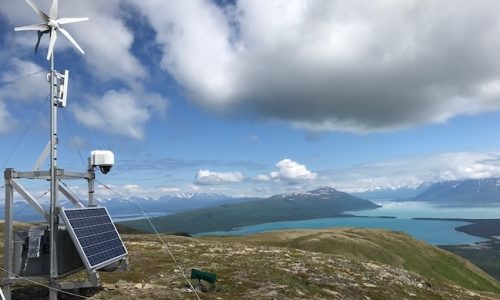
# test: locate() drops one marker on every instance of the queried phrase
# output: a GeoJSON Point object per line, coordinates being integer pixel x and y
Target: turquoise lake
{"type": "Point", "coordinates": [437, 232]}
{"type": "Point", "coordinates": [431, 231]}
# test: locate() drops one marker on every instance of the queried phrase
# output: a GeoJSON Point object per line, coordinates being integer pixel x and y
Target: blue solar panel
{"type": "Point", "coordinates": [94, 235]}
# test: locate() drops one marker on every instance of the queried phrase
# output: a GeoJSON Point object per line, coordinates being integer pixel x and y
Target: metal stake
{"type": "Point", "coordinates": [8, 234]}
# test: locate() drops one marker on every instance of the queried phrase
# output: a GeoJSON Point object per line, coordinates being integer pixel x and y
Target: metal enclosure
{"type": "Point", "coordinates": [32, 253]}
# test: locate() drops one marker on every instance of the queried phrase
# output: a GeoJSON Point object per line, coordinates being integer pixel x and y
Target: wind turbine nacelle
{"type": "Point", "coordinates": [104, 159]}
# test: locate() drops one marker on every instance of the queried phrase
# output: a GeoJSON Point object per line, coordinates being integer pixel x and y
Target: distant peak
{"type": "Point", "coordinates": [323, 190]}
{"type": "Point", "coordinates": [196, 195]}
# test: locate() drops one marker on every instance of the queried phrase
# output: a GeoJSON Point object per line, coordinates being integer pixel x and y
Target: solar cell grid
{"type": "Point", "coordinates": [95, 236]}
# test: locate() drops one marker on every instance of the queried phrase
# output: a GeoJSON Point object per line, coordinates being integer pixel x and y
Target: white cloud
{"type": "Point", "coordinates": [289, 171]}
{"type": "Point", "coordinates": [169, 190]}
{"type": "Point", "coordinates": [334, 64]}
{"type": "Point", "coordinates": [19, 81]}
{"type": "Point", "coordinates": [413, 171]}
{"type": "Point", "coordinates": [131, 188]}
{"type": "Point", "coordinates": [6, 120]}
{"type": "Point", "coordinates": [121, 112]}
{"type": "Point", "coordinates": [263, 177]}
{"type": "Point", "coordinates": [207, 177]}
{"type": "Point", "coordinates": [321, 65]}
{"type": "Point", "coordinates": [194, 36]}
{"type": "Point", "coordinates": [22, 81]}
{"type": "Point", "coordinates": [106, 40]}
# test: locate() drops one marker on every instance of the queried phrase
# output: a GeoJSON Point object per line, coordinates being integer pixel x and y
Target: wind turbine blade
{"type": "Point", "coordinates": [40, 33]}
{"type": "Point", "coordinates": [38, 11]}
{"type": "Point", "coordinates": [53, 37]}
{"type": "Point", "coordinates": [53, 9]}
{"type": "Point", "coordinates": [70, 38]}
{"type": "Point", "coordinates": [70, 20]}
{"type": "Point", "coordinates": [39, 27]}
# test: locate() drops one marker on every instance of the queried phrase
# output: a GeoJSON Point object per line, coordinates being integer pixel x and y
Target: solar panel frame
{"type": "Point", "coordinates": [84, 225]}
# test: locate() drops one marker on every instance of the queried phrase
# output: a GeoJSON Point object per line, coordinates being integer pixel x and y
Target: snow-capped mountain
{"type": "Point", "coordinates": [324, 196]}
{"type": "Point", "coordinates": [398, 193]}
{"type": "Point", "coordinates": [165, 204]}
{"type": "Point", "coordinates": [469, 192]}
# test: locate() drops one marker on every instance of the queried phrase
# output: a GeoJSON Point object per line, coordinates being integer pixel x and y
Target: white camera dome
{"type": "Point", "coordinates": [104, 159]}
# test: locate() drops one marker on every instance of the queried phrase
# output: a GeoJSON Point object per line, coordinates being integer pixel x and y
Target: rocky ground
{"type": "Point", "coordinates": [250, 271]}
{"type": "Point", "coordinates": [263, 272]}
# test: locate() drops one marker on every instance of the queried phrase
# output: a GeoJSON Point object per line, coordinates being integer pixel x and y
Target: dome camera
{"type": "Point", "coordinates": [105, 169]}
{"type": "Point", "coordinates": [104, 159]}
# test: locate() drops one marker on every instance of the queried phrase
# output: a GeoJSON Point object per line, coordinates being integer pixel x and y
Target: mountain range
{"type": "Point", "coordinates": [165, 204]}
{"type": "Point", "coordinates": [470, 192]}
{"type": "Point", "coordinates": [393, 193]}
{"type": "Point", "coordinates": [467, 192]}
{"type": "Point", "coordinates": [134, 206]}
{"type": "Point", "coordinates": [323, 202]}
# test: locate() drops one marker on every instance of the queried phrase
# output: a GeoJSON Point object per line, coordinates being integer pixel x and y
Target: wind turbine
{"type": "Point", "coordinates": [51, 24]}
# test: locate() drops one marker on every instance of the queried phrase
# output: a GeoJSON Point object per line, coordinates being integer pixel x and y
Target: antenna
{"type": "Point", "coordinates": [68, 241]}
{"type": "Point", "coordinates": [62, 88]}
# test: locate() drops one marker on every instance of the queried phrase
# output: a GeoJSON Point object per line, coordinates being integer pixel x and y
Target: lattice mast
{"type": "Point", "coordinates": [51, 25]}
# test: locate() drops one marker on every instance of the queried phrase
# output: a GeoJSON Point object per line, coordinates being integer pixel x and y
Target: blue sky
{"type": "Point", "coordinates": [261, 97]}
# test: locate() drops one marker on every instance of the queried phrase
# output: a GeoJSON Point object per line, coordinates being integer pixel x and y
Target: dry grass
{"type": "Point", "coordinates": [278, 265]}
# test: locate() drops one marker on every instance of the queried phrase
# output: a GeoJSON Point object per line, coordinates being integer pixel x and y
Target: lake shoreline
{"type": "Point", "coordinates": [482, 254]}
{"type": "Point", "coordinates": [484, 228]}
{"type": "Point", "coordinates": [436, 232]}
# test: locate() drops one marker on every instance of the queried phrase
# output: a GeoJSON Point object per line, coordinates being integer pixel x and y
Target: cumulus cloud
{"type": "Point", "coordinates": [334, 64]}
{"type": "Point", "coordinates": [196, 51]}
{"type": "Point", "coordinates": [289, 171]}
{"type": "Point", "coordinates": [106, 40]}
{"type": "Point", "coordinates": [207, 177]}
{"type": "Point", "coordinates": [121, 112]}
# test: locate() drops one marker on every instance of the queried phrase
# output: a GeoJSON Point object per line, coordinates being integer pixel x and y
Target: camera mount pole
{"type": "Point", "coordinates": [91, 183]}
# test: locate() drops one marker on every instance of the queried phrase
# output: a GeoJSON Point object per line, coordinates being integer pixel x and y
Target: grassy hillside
{"type": "Point", "coordinates": [276, 208]}
{"type": "Point", "coordinates": [392, 248]}
{"type": "Point", "coordinates": [307, 264]}
{"type": "Point", "coordinates": [310, 264]}
{"type": "Point", "coordinates": [485, 255]}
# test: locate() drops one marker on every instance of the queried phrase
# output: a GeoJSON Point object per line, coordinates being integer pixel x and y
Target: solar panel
{"type": "Point", "coordinates": [94, 235]}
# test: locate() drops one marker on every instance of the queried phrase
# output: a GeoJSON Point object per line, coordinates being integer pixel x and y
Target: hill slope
{"type": "Point", "coordinates": [309, 264]}
{"type": "Point", "coordinates": [318, 203]}
{"type": "Point", "coordinates": [384, 247]}
{"type": "Point", "coordinates": [339, 264]}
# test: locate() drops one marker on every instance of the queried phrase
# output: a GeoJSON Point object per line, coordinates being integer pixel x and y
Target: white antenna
{"type": "Point", "coordinates": [51, 25]}
{"type": "Point", "coordinates": [62, 88]}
